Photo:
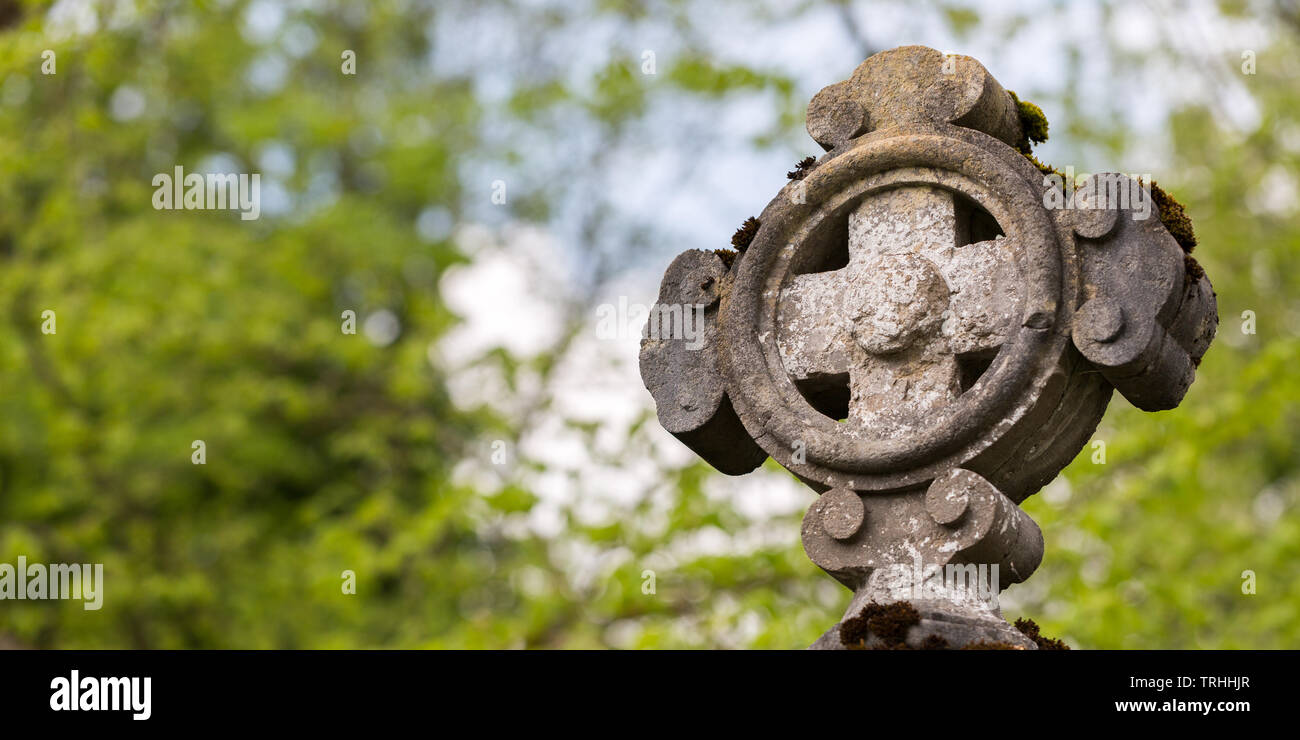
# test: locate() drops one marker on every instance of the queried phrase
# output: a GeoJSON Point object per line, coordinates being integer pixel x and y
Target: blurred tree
{"type": "Point", "coordinates": [324, 451]}
{"type": "Point", "coordinates": [329, 452]}
{"type": "Point", "coordinates": [1153, 548]}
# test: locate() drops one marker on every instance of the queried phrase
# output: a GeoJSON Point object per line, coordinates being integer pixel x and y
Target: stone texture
{"type": "Point", "coordinates": [922, 339]}
{"type": "Point", "coordinates": [682, 373]}
{"type": "Point", "coordinates": [911, 299]}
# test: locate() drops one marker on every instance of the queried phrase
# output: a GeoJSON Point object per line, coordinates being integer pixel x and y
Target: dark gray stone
{"type": "Point", "coordinates": [682, 373]}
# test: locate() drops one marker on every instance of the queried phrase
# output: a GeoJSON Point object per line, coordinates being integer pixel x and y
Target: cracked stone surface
{"type": "Point", "coordinates": [923, 341]}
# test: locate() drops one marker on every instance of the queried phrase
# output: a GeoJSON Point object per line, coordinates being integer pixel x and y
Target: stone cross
{"type": "Point", "coordinates": [899, 315]}
{"type": "Point", "coordinates": [925, 332]}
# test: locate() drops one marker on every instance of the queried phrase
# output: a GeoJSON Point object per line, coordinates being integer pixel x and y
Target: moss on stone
{"type": "Point", "coordinates": [1174, 217]}
{"type": "Point", "coordinates": [745, 234]}
{"type": "Point", "coordinates": [1048, 169]}
{"type": "Point", "coordinates": [934, 642]}
{"type": "Point", "coordinates": [1033, 123]}
{"type": "Point", "coordinates": [801, 169]}
{"type": "Point", "coordinates": [889, 622]}
{"type": "Point", "coordinates": [728, 256]}
{"type": "Point", "coordinates": [987, 645]}
{"type": "Point", "coordinates": [1172, 213]}
{"type": "Point", "coordinates": [1030, 629]}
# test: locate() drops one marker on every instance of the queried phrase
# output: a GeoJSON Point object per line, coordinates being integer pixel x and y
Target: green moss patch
{"type": "Point", "coordinates": [1174, 217]}
{"type": "Point", "coordinates": [1033, 123]}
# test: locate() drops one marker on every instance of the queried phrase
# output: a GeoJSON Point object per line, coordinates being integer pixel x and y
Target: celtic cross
{"type": "Point", "coordinates": [914, 296]}
{"type": "Point", "coordinates": [925, 333]}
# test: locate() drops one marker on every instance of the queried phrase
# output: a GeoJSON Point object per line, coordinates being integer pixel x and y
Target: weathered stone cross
{"type": "Point", "coordinates": [914, 296]}
{"type": "Point", "coordinates": [920, 281]}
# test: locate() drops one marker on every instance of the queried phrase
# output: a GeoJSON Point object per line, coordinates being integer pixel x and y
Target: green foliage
{"type": "Point", "coordinates": [324, 451]}
{"type": "Point", "coordinates": [1152, 549]}
{"type": "Point", "coordinates": [329, 452]}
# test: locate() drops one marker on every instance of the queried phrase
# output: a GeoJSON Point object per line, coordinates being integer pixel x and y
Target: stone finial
{"type": "Point", "coordinates": [926, 86]}
{"type": "Point", "coordinates": [926, 333]}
